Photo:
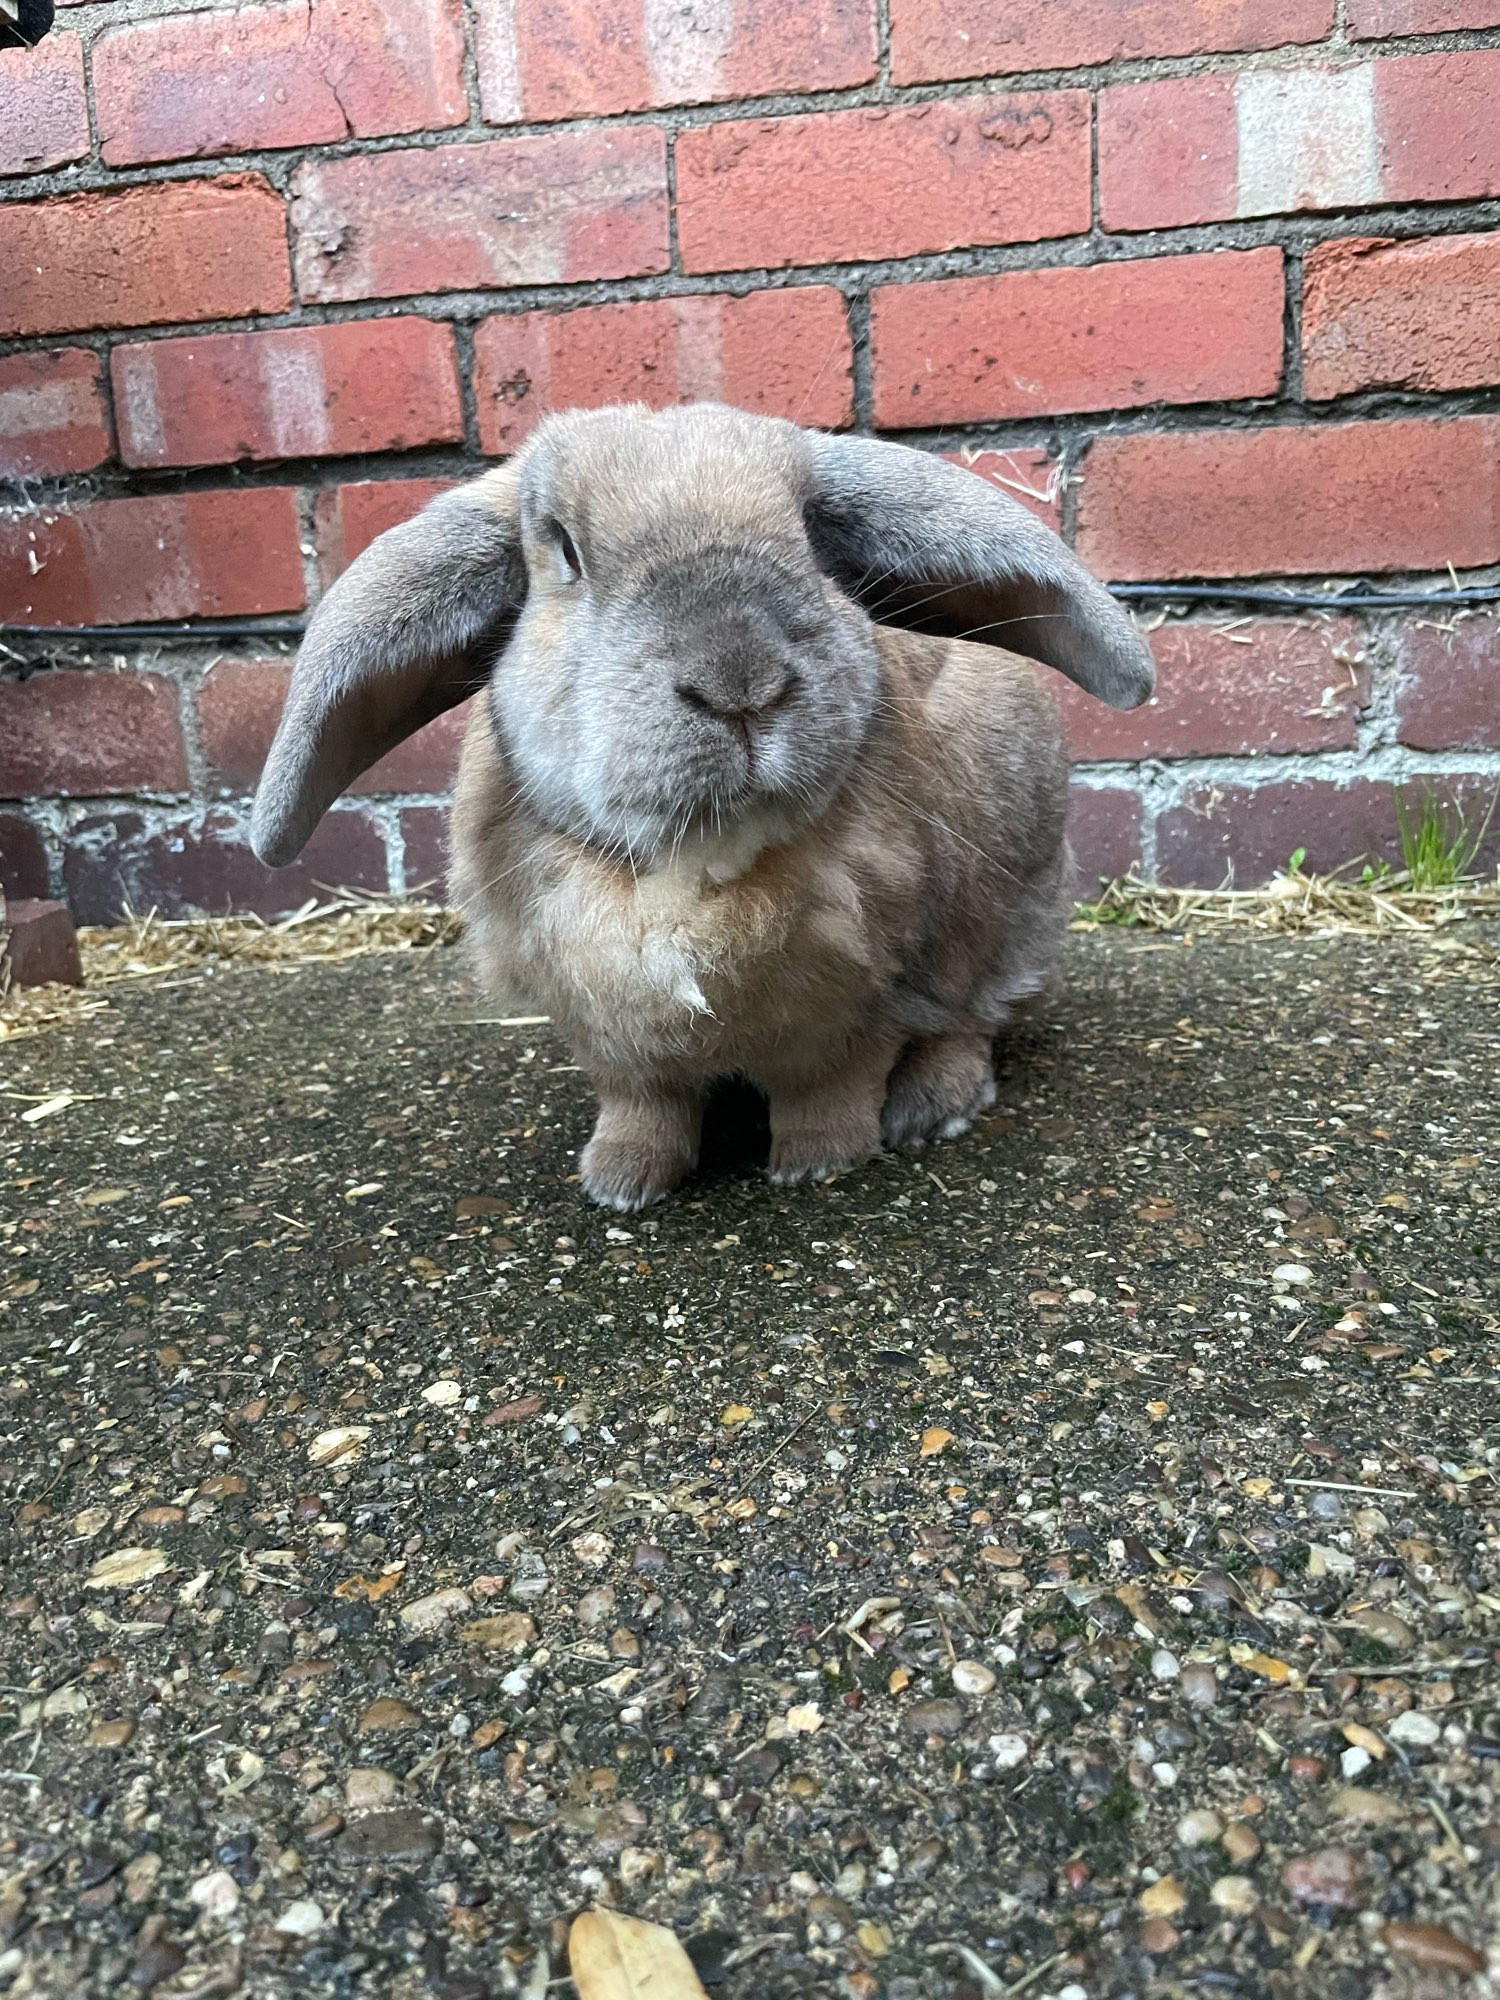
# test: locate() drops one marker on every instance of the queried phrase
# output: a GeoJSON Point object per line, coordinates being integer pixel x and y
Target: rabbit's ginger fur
{"type": "Point", "coordinates": [710, 817]}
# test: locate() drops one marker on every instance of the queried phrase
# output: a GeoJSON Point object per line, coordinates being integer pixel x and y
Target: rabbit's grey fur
{"type": "Point", "coordinates": [712, 816]}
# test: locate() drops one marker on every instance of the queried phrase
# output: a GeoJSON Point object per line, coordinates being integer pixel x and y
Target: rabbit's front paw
{"type": "Point", "coordinates": [639, 1152]}
{"type": "Point", "coordinates": [937, 1090]}
{"type": "Point", "coordinates": [813, 1156]}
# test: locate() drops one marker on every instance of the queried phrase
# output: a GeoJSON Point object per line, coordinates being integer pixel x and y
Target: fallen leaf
{"type": "Point", "coordinates": [339, 1446]}
{"type": "Point", "coordinates": [507, 1632]}
{"type": "Point", "coordinates": [934, 1440]}
{"type": "Point", "coordinates": [370, 1589]}
{"type": "Point", "coordinates": [512, 1413]}
{"type": "Point", "coordinates": [621, 1958]}
{"type": "Point", "coordinates": [1265, 1664]}
{"type": "Point", "coordinates": [125, 1567]}
{"type": "Point", "coordinates": [104, 1197]}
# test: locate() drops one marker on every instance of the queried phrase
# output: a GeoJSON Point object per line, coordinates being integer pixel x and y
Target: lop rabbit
{"type": "Point", "coordinates": [742, 794]}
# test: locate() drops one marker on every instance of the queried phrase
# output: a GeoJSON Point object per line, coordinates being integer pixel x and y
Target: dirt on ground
{"type": "Point", "coordinates": [1065, 1563]}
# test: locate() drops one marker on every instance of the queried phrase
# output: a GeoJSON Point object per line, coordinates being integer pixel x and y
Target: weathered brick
{"type": "Point", "coordinates": [1274, 684]}
{"type": "Point", "coordinates": [1246, 833]}
{"type": "Point", "coordinates": [1448, 686]}
{"type": "Point", "coordinates": [290, 73]}
{"type": "Point", "coordinates": [1100, 337]}
{"type": "Point", "coordinates": [1104, 827]}
{"type": "Point", "coordinates": [883, 182]}
{"type": "Point", "coordinates": [424, 835]}
{"type": "Point", "coordinates": [555, 208]}
{"type": "Point", "coordinates": [785, 352]}
{"type": "Point", "coordinates": [179, 250]}
{"type": "Point", "coordinates": [38, 945]}
{"type": "Point", "coordinates": [123, 861]}
{"type": "Point", "coordinates": [297, 392]}
{"type": "Point", "coordinates": [239, 705]}
{"type": "Point", "coordinates": [169, 555]}
{"type": "Point", "coordinates": [74, 735]}
{"type": "Point", "coordinates": [1439, 131]}
{"type": "Point", "coordinates": [1208, 148]}
{"type": "Point", "coordinates": [52, 415]}
{"type": "Point", "coordinates": [1368, 18]}
{"type": "Point", "coordinates": [1378, 314]}
{"type": "Point", "coordinates": [348, 518]}
{"type": "Point", "coordinates": [1406, 493]}
{"type": "Point", "coordinates": [44, 119]}
{"type": "Point", "coordinates": [936, 39]}
{"type": "Point", "coordinates": [542, 59]}
{"type": "Point", "coordinates": [24, 869]}
{"type": "Point", "coordinates": [1028, 474]}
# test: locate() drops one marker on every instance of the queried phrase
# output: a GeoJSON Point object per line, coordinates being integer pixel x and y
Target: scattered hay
{"type": "Point", "coordinates": [1296, 904]}
{"type": "Point", "coordinates": [350, 925]}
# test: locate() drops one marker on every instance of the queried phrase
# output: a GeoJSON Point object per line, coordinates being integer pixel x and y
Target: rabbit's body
{"type": "Point", "coordinates": [908, 913]}
{"type": "Point", "coordinates": [711, 817]}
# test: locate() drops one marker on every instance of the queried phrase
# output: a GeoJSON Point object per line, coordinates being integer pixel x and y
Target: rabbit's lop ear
{"type": "Point", "coordinates": [923, 544]}
{"type": "Point", "coordinates": [410, 629]}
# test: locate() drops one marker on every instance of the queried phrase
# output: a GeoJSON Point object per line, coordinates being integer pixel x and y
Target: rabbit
{"type": "Point", "coordinates": [757, 785]}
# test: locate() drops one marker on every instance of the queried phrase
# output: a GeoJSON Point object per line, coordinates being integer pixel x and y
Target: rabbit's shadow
{"type": "Point", "coordinates": [736, 1130]}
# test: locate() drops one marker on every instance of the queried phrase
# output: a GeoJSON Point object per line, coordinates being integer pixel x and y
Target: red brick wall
{"type": "Point", "coordinates": [1214, 283]}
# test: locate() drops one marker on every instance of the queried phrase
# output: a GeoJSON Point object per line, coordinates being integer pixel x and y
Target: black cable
{"type": "Point", "coordinates": [1132, 593]}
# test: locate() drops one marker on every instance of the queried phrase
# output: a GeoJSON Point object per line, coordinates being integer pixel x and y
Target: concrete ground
{"type": "Point", "coordinates": [1063, 1564]}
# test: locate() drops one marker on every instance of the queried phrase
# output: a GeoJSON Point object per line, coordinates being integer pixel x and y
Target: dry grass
{"type": "Point", "coordinates": [347, 926]}
{"type": "Point", "coordinates": [353, 926]}
{"type": "Point", "coordinates": [1294, 903]}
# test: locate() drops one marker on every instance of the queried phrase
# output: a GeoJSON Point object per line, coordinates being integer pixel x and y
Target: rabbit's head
{"type": "Point", "coordinates": [672, 614]}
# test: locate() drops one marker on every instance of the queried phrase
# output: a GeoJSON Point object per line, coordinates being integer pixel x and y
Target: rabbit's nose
{"type": "Point", "coordinates": [743, 710]}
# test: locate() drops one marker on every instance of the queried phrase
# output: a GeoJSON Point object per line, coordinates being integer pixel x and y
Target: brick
{"type": "Point", "coordinates": [1274, 684]}
{"type": "Point", "coordinates": [1448, 686]}
{"type": "Point", "coordinates": [75, 735]}
{"type": "Point", "coordinates": [1368, 18]}
{"type": "Point", "coordinates": [23, 856]}
{"type": "Point", "coordinates": [1027, 474]}
{"type": "Point", "coordinates": [555, 208]}
{"type": "Point", "coordinates": [1246, 833]}
{"type": "Point", "coordinates": [169, 555]}
{"type": "Point", "coordinates": [541, 59]}
{"type": "Point", "coordinates": [1439, 132]}
{"type": "Point", "coordinates": [147, 256]}
{"type": "Point", "coordinates": [933, 40]}
{"type": "Point", "coordinates": [1101, 337]}
{"type": "Point", "coordinates": [883, 182]}
{"type": "Point", "coordinates": [185, 865]}
{"type": "Point", "coordinates": [1377, 314]}
{"type": "Point", "coordinates": [297, 392]}
{"type": "Point", "coordinates": [424, 835]}
{"type": "Point", "coordinates": [290, 73]}
{"type": "Point", "coordinates": [240, 704]}
{"type": "Point", "coordinates": [44, 119]}
{"type": "Point", "coordinates": [1209, 148]}
{"type": "Point", "coordinates": [1336, 498]}
{"type": "Point", "coordinates": [38, 945]}
{"type": "Point", "coordinates": [1104, 826]}
{"type": "Point", "coordinates": [348, 518]}
{"type": "Point", "coordinates": [787, 353]}
{"type": "Point", "coordinates": [52, 414]}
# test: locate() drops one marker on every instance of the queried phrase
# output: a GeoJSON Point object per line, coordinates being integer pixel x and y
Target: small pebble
{"type": "Point", "coordinates": [1330, 1878]}
{"type": "Point", "coordinates": [366, 1789]}
{"type": "Point", "coordinates": [1414, 1729]}
{"type": "Point", "coordinates": [1241, 1843]}
{"type": "Point", "coordinates": [972, 1677]}
{"type": "Point", "coordinates": [1199, 1828]}
{"type": "Point", "coordinates": [1235, 1895]}
{"type": "Point", "coordinates": [1354, 1761]}
{"type": "Point", "coordinates": [301, 1919]}
{"type": "Point", "coordinates": [1200, 1686]}
{"type": "Point", "coordinates": [1432, 1944]}
{"type": "Point", "coordinates": [1159, 1936]}
{"type": "Point", "coordinates": [1166, 1898]}
{"type": "Point", "coordinates": [217, 1894]}
{"type": "Point", "coordinates": [1164, 1665]}
{"type": "Point", "coordinates": [432, 1613]}
{"type": "Point", "coordinates": [1008, 1751]}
